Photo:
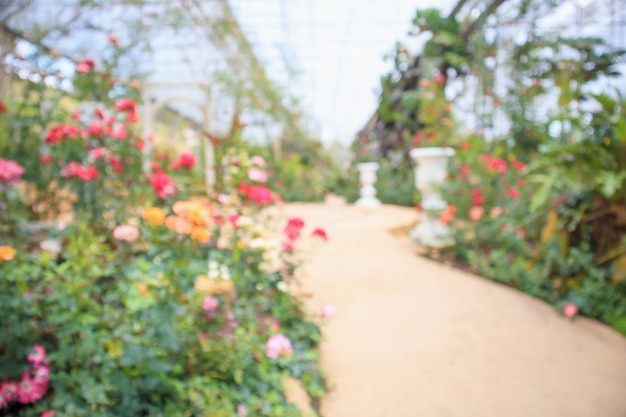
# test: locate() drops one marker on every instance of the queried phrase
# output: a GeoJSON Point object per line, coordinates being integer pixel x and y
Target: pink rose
{"type": "Point", "coordinates": [29, 390]}
{"type": "Point", "coordinates": [86, 65]}
{"type": "Point", "coordinates": [115, 41]}
{"type": "Point", "coordinates": [38, 357]}
{"type": "Point", "coordinates": [96, 153]}
{"type": "Point", "coordinates": [120, 133]}
{"type": "Point", "coordinates": [288, 246]}
{"type": "Point", "coordinates": [10, 171]}
{"type": "Point", "coordinates": [476, 213]}
{"type": "Point", "coordinates": [496, 212]}
{"type": "Point", "coordinates": [258, 160]}
{"type": "Point", "coordinates": [570, 310]}
{"type": "Point", "coordinates": [126, 232]}
{"type": "Point", "coordinates": [278, 345]}
{"type": "Point", "coordinates": [41, 374]}
{"type": "Point", "coordinates": [223, 199]}
{"type": "Point", "coordinates": [255, 174]}
{"type": "Point", "coordinates": [210, 303]}
{"type": "Point", "coordinates": [8, 392]}
{"type": "Point", "coordinates": [242, 411]}
{"type": "Point", "coordinates": [233, 219]}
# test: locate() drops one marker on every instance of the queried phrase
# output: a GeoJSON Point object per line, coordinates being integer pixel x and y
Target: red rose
{"type": "Point", "coordinates": [260, 195]}
{"type": "Point", "coordinates": [320, 233]}
{"type": "Point", "coordinates": [513, 192]}
{"type": "Point", "coordinates": [86, 65]}
{"type": "Point", "coordinates": [294, 228]}
{"type": "Point", "coordinates": [185, 160]}
{"type": "Point", "coordinates": [126, 105]}
{"type": "Point", "coordinates": [163, 185]}
{"type": "Point", "coordinates": [440, 78]}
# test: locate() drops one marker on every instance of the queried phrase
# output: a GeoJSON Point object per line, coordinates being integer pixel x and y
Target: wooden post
{"type": "Point", "coordinates": [7, 40]}
{"type": "Point", "coordinates": [209, 149]}
{"type": "Point", "coordinates": [147, 128]}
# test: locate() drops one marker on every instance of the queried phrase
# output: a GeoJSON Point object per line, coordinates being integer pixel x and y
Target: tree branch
{"type": "Point", "coordinates": [457, 8]}
{"type": "Point", "coordinates": [481, 19]}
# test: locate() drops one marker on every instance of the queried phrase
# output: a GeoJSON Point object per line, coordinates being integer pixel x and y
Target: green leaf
{"type": "Point", "coordinates": [541, 196]}
{"type": "Point", "coordinates": [610, 182]}
{"type": "Point", "coordinates": [410, 101]}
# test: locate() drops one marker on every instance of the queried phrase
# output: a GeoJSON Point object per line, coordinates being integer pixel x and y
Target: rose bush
{"type": "Point", "coordinates": [548, 251]}
{"type": "Point", "coordinates": [150, 301]}
{"type": "Point", "coordinates": [179, 310]}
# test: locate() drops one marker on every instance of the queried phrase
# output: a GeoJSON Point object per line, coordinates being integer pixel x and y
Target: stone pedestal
{"type": "Point", "coordinates": [367, 178]}
{"type": "Point", "coordinates": [430, 173]}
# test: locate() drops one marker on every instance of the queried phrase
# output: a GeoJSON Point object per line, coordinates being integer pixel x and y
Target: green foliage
{"type": "Point", "coordinates": [35, 108]}
{"type": "Point", "coordinates": [446, 48]}
{"type": "Point", "coordinates": [345, 183]}
{"type": "Point", "coordinates": [410, 101]}
{"type": "Point", "coordinates": [295, 181]}
{"type": "Point", "coordinates": [394, 183]}
{"type": "Point", "coordinates": [126, 334]}
{"type": "Point", "coordinates": [554, 251]}
{"type": "Point", "coordinates": [118, 298]}
{"type": "Point", "coordinates": [556, 228]}
{"type": "Point", "coordinates": [596, 162]}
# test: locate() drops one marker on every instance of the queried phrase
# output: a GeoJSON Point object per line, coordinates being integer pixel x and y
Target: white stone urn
{"type": "Point", "coordinates": [367, 178]}
{"type": "Point", "coordinates": [430, 173]}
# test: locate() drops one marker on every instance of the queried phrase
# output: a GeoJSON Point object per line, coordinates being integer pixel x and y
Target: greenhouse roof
{"type": "Point", "coordinates": [326, 54]}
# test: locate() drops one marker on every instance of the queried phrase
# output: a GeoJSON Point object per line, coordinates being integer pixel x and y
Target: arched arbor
{"type": "Point", "coordinates": [176, 91]}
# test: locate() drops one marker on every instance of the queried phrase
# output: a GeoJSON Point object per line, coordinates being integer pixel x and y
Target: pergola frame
{"type": "Point", "coordinates": [152, 105]}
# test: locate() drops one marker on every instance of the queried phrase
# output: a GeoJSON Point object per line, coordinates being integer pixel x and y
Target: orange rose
{"type": "Point", "coordinates": [182, 208]}
{"type": "Point", "coordinates": [6, 253]}
{"type": "Point", "coordinates": [153, 215]}
{"type": "Point", "coordinates": [199, 215]}
{"type": "Point", "coordinates": [179, 225]}
{"type": "Point", "coordinates": [201, 234]}
{"type": "Point", "coordinates": [194, 211]}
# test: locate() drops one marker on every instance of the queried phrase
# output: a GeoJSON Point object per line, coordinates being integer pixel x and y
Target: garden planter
{"type": "Point", "coordinates": [367, 179]}
{"type": "Point", "coordinates": [430, 173]}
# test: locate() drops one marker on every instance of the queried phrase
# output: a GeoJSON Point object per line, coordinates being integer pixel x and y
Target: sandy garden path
{"type": "Point", "coordinates": [413, 338]}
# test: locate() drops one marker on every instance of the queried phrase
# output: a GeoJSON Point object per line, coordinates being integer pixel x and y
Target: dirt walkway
{"type": "Point", "coordinates": [413, 338]}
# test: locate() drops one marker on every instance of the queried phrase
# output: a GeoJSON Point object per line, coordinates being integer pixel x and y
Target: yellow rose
{"type": "Point", "coordinates": [201, 234]}
{"type": "Point", "coordinates": [153, 215]}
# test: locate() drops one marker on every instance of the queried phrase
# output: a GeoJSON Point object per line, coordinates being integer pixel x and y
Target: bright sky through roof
{"type": "Point", "coordinates": [338, 48]}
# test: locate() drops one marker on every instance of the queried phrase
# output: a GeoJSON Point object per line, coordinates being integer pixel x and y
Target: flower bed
{"type": "Point", "coordinates": [151, 301]}
{"type": "Point", "coordinates": [562, 244]}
